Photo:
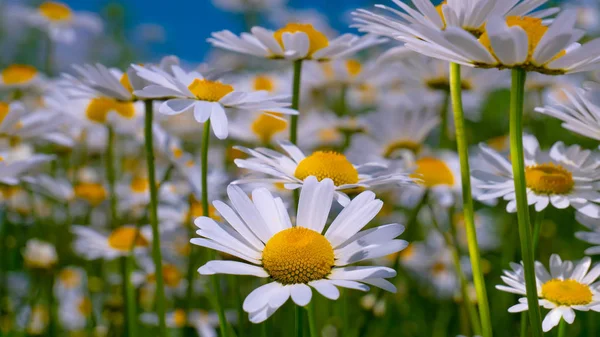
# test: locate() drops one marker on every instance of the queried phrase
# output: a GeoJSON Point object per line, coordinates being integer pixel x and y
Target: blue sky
{"type": "Point", "coordinates": [189, 22]}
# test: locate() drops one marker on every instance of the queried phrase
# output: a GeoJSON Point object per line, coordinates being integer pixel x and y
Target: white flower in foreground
{"type": "Point", "coordinates": [295, 41]}
{"type": "Point", "coordinates": [206, 99]}
{"type": "Point", "coordinates": [563, 177]}
{"type": "Point", "coordinates": [60, 21]}
{"type": "Point", "coordinates": [296, 258]}
{"type": "Point", "coordinates": [471, 16]}
{"type": "Point", "coordinates": [122, 241]}
{"type": "Point", "coordinates": [514, 42]}
{"type": "Point", "coordinates": [566, 288]}
{"type": "Point", "coordinates": [39, 254]}
{"type": "Point", "coordinates": [293, 168]}
{"type": "Point", "coordinates": [592, 237]}
{"type": "Point", "coordinates": [580, 113]}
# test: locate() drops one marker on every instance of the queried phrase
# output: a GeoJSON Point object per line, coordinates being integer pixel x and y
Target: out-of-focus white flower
{"type": "Point", "coordinates": [39, 254]}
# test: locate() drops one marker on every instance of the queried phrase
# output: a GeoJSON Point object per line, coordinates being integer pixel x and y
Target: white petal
{"type": "Point", "coordinates": [301, 294]}
{"type": "Point", "coordinates": [326, 288]}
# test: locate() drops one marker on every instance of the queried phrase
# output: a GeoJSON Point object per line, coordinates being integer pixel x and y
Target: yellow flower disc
{"type": "Point", "coordinates": [332, 165]}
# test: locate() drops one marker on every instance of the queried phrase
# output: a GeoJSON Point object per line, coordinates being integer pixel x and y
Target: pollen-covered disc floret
{"type": "Point", "coordinates": [433, 172]}
{"type": "Point", "coordinates": [549, 178]}
{"type": "Point", "coordinates": [316, 39]}
{"type": "Point", "coordinates": [567, 292]}
{"type": "Point", "coordinates": [209, 91]}
{"type": "Point", "coordinates": [332, 165]}
{"type": "Point", "coordinates": [298, 255]}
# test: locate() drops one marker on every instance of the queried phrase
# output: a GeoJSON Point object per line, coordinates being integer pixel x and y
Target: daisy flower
{"type": "Point", "coordinates": [74, 311]}
{"type": "Point", "coordinates": [470, 16]}
{"type": "Point", "coordinates": [205, 323]}
{"type": "Point", "coordinates": [19, 77]}
{"type": "Point", "coordinates": [259, 128]}
{"type": "Point", "coordinates": [296, 258]}
{"type": "Point", "coordinates": [192, 93]}
{"type": "Point", "coordinates": [70, 280]}
{"type": "Point", "coordinates": [564, 176]}
{"type": "Point", "coordinates": [174, 278]}
{"type": "Point", "coordinates": [293, 168]}
{"type": "Point", "coordinates": [522, 42]}
{"type": "Point", "coordinates": [92, 245]}
{"type": "Point", "coordinates": [39, 254]}
{"type": "Point", "coordinates": [566, 288]}
{"type": "Point", "coordinates": [592, 237]}
{"type": "Point", "coordinates": [17, 161]}
{"type": "Point", "coordinates": [580, 112]}
{"type": "Point", "coordinates": [60, 21]}
{"type": "Point", "coordinates": [295, 41]}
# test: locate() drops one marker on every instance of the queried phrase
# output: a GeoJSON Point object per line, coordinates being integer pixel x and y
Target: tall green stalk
{"type": "Point", "coordinates": [295, 100]}
{"type": "Point", "coordinates": [469, 214]}
{"type": "Point", "coordinates": [156, 253]}
{"type": "Point", "coordinates": [128, 291]}
{"type": "Point", "coordinates": [205, 210]}
{"type": "Point", "coordinates": [562, 328]}
{"type": "Point", "coordinates": [312, 323]}
{"type": "Point", "coordinates": [299, 321]}
{"type": "Point", "coordinates": [516, 151]}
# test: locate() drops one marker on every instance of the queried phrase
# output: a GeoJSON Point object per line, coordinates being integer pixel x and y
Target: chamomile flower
{"type": "Point", "coordinates": [470, 16]}
{"type": "Point", "coordinates": [563, 177]}
{"type": "Point", "coordinates": [92, 245]}
{"type": "Point", "coordinates": [293, 168]}
{"type": "Point", "coordinates": [592, 237]}
{"type": "Point", "coordinates": [522, 42]}
{"type": "Point", "coordinates": [299, 257]}
{"type": "Point", "coordinates": [17, 161]}
{"type": "Point", "coordinates": [39, 254]}
{"type": "Point", "coordinates": [259, 128]}
{"type": "Point", "coordinates": [60, 21]}
{"type": "Point", "coordinates": [206, 99]}
{"type": "Point", "coordinates": [566, 288]}
{"type": "Point", "coordinates": [70, 280]}
{"type": "Point", "coordinates": [391, 135]}
{"type": "Point", "coordinates": [295, 41]}
{"type": "Point", "coordinates": [74, 311]}
{"type": "Point", "coordinates": [173, 276]}
{"type": "Point", "coordinates": [19, 77]}
{"type": "Point", "coordinates": [580, 112]}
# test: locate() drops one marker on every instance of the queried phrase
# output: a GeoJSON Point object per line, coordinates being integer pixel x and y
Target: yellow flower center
{"type": "Point", "coordinates": [69, 278]}
{"type": "Point", "coordinates": [329, 135]}
{"type": "Point", "coordinates": [56, 11]}
{"type": "Point", "coordinates": [549, 178]}
{"type": "Point", "coordinates": [126, 83]}
{"type": "Point", "coordinates": [123, 239]}
{"type": "Point", "coordinates": [98, 109]}
{"type": "Point", "coordinates": [85, 306]}
{"type": "Point", "coordinates": [433, 172]}
{"type": "Point", "coordinates": [4, 110]}
{"type": "Point", "coordinates": [209, 91]}
{"type": "Point", "coordinates": [177, 152]}
{"type": "Point", "coordinates": [354, 67]}
{"type": "Point", "coordinates": [18, 74]}
{"type": "Point", "coordinates": [298, 255]}
{"type": "Point", "coordinates": [93, 193]}
{"type": "Point", "coordinates": [438, 268]}
{"type": "Point", "coordinates": [316, 39]}
{"type": "Point", "coordinates": [263, 82]}
{"type": "Point", "coordinates": [139, 185]}
{"type": "Point", "coordinates": [171, 276]}
{"type": "Point", "coordinates": [179, 318]}
{"type": "Point", "coordinates": [499, 143]}
{"type": "Point", "coordinates": [267, 126]}
{"type": "Point", "coordinates": [567, 292]}
{"type": "Point", "coordinates": [332, 165]}
{"type": "Point", "coordinates": [393, 150]}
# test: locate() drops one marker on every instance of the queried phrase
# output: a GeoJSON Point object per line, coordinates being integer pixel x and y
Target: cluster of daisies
{"type": "Point", "coordinates": [318, 163]}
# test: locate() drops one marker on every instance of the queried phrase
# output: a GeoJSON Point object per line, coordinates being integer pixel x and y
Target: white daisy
{"type": "Point", "coordinates": [74, 310]}
{"type": "Point", "coordinates": [70, 280]}
{"type": "Point", "coordinates": [592, 237]}
{"type": "Point", "coordinates": [514, 42]}
{"type": "Point", "coordinates": [205, 323]}
{"type": "Point", "coordinates": [19, 77]}
{"type": "Point", "coordinates": [39, 254]}
{"type": "Point", "coordinates": [566, 288]}
{"type": "Point", "coordinates": [191, 92]}
{"type": "Point", "coordinates": [296, 258]}
{"type": "Point", "coordinates": [295, 41]}
{"type": "Point", "coordinates": [293, 168]}
{"type": "Point", "coordinates": [92, 245]}
{"type": "Point", "coordinates": [563, 177]}
{"type": "Point", "coordinates": [60, 21]}
{"type": "Point", "coordinates": [580, 112]}
{"type": "Point", "coordinates": [471, 16]}
{"type": "Point", "coordinates": [259, 128]}
{"type": "Point", "coordinates": [174, 279]}
{"type": "Point", "coordinates": [17, 161]}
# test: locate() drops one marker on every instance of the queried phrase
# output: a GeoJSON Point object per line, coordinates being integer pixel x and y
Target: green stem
{"type": "Point", "coordinates": [463, 153]}
{"type": "Point", "coordinates": [110, 175]}
{"type": "Point", "coordinates": [129, 296]}
{"type": "Point", "coordinates": [444, 135]}
{"type": "Point", "coordinates": [524, 324]}
{"type": "Point", "coordinates": [156, 253]}
{"type": "Point", "coordinates": [562, 328]}
{"type": "Point", "coordinates": [299, 321]}
{"type": "Point", "coordinates": [237, 294]}
{"type": "Point", "coordinates": [312, 323]}
{"type": "Point", "coordinates": [295, 100]}
{"type": "Point", "coordinates": [516, 152]}
{"type": "Point", "coordinates": [205, 210]}
{"type": "Point", "coordinates": [537, 227]}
